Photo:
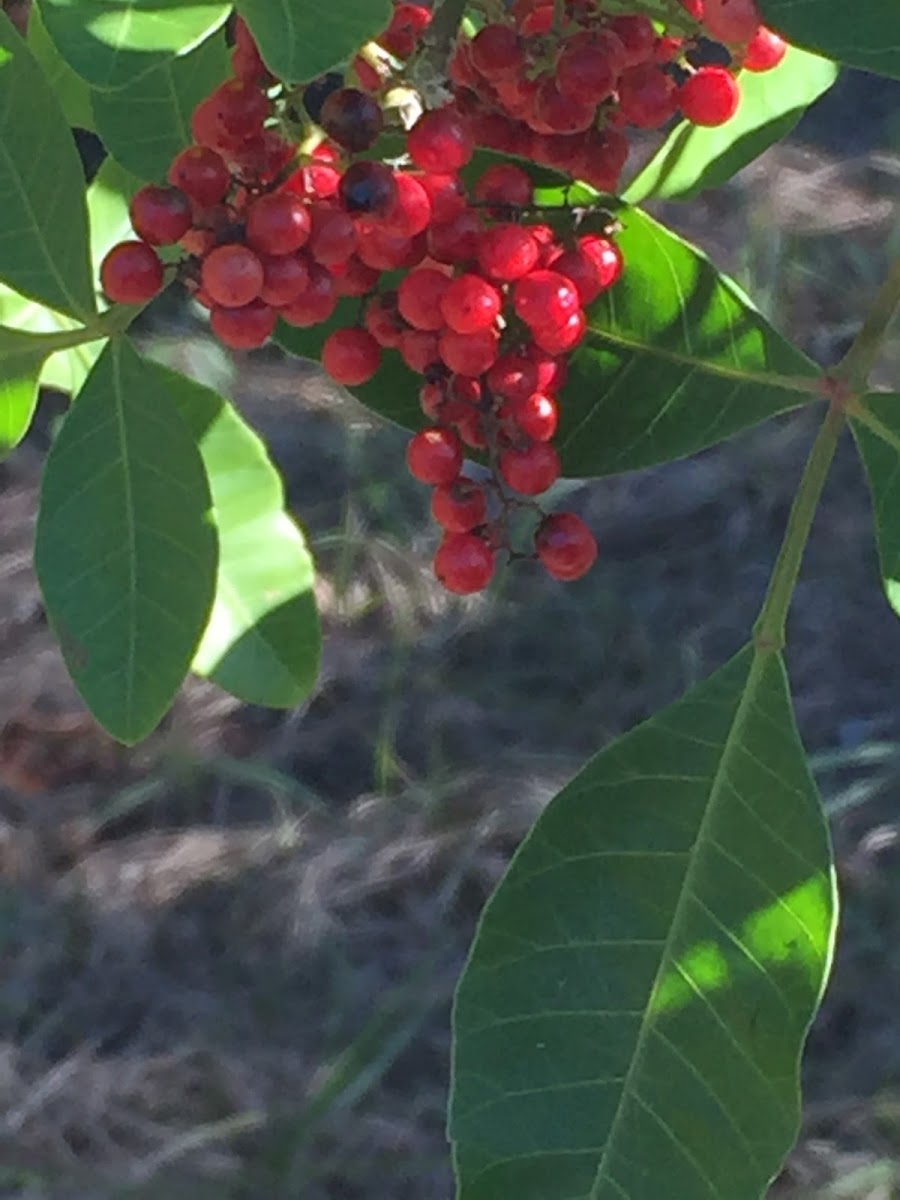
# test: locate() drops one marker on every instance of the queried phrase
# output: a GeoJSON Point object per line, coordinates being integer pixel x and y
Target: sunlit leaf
{"type": "Point", "coordinates": [865, 34]}
{"type": "Point", "coordinates": [299, 39]}
{"type": "Point", "coordinates": [631, 1018]}
{"type": "Point", "coordinates": [73, 93]}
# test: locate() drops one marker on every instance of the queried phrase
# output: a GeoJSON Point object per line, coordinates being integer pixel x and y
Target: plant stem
{"type": "Point", "coordinates": [856, 367]}
{"type": "Point", "coordinates": [769, 631]}
{"type": "Point", "coordinates": [441, 33]}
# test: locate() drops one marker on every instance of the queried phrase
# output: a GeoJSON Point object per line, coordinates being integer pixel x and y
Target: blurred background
{"type": "Point", "coordinates": [227, 956]}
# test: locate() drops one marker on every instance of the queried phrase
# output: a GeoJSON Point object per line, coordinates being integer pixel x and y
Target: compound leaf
{"type": "Point", "coordinates": [262, 642]}
{"type": "Point", "coordinates": [772, 102]}
{"type": "Point", "coordinates": [126, 550]}
{"type": "Point", "coordinates": [299, 39]}
{"type": "Point", "coordinates": [111, 43]}
{"type": "Point", "coordinates": [631, 1018]}
{"type": "Point", "coordinates": [44, 230]}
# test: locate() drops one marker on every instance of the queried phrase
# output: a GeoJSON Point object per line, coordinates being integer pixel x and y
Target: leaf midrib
{"type": "Point", "coordinates": [757, 669]}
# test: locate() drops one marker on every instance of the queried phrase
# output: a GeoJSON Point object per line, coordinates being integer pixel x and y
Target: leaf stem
{"type": "Point", "coordinates": [769, 631]}
{"type": "Point", "coordinates": [856, 367]}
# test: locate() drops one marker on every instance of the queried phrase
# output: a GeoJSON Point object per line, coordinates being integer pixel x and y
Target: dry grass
{"type": "Point", "coordinates": [228, 956]}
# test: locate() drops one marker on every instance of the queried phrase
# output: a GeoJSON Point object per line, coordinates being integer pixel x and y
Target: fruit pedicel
{"type": "Point", "coordinates": [482, 294]}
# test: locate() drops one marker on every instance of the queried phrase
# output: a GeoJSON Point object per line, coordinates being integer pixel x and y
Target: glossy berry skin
{"type": "Point", "coordinates": [464, 563]}
{"type": "Point", "coordinates": [561, 339]}
{"type": "Point", "coordinates": [131, 273]}
{"type": "Point", "coordinates": [435, 456]}
{"type": "Point", "coordinates": [351, 356]}
{"type": "Point", "coordinates": [606, 257]}
{"type": "Point", "coordinates": [507, 252]}
{"type": "Point", "coordinates": [471, 304]}
{"type": "Point", "coordinates": [537, 415]}
{"type": "Point", "coordinates": [411, 213]}
{"type": "Point", "coordinates": [201, 174]}
{"type": "Point", "coordinates": [710, 96]}
{"type": "Point", "coordinates": [765, 51]}
{"type": "Point", "coordinates": [232, 276]}
{"type": "Point", "coordinates": [532, 470]}
{"type": "Point", "coordinates": [460, 506]}
{"type": "Point", "coordinates": [285, 277]}
{"type": "Point", "coordinates": [469, 353]}
{"type": "Point", "coordinates": [316, 304]}
{"type": "Point", "coordinates": [160, 215]}
{"type": "Point", "coordinates": [278, 223]}
{"type": "Point", "coordinates": [733, 22]}
{"type": "Point", "coordinates": [420, 350]}
{"type": "Point", "coordinates": [565, 546]}
{"type": "Point", "coordinates": [419, 298]}
{"type": "Point", "coordinates": [512, 377]}
{"type": "Point", "coordinates": [352, 118]}
{"type": "Point", "coordinates": [440, 141]}
{"type": "Point", "coordinates": [581, 270]}
{"type": "Point", "coordinates": [368, 188]}
{"type": "Point", "coordinates": [245, 328]}
{"type": "Point", "coordinates": [240, 107]}
{"type": "Point", "coordinates": [545, 298]}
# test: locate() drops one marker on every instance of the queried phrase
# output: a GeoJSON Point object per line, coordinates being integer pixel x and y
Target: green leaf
{"type": "Point", "coordinates": [633, 1011]}
{"type": "Point", "coordinates": [21, 358]}
{"type": "Point", "coordinates": [877, 433]}
{"type": "Point", "coordinates": [73, 93]}
{"type": "Point", "coordinates": [299, 39]}
{"type": "Point", "coordinates": [676, 359]}
{"type": "Point", "coordinates": [111, 43]}
{"type": "Point", "coordinates": [145, 124]}
{"type": "Point", "coordinates": [262, 643]}
{"type": "Point", "coordinates": [43, 233]}
{"type": "Point", "coordinates": [126, 549]}
{"type": "Point", "coordinates": [865, 34]}
{"type": "Point", "coordinates": [772, 102]}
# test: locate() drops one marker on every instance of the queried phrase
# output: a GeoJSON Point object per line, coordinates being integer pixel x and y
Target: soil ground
{"type": "Point", "coordinates": [228, 955]}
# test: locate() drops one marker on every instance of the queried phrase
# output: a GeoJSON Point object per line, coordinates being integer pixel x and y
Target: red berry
{"type": "Point", "coordinates": [368, 188]}
{"type": "Point", "coordinates": [469, 353]}
{"type": "Point", "coordinates": [411, 212]}
{"type": "Point", "coordinates": [351, 356]}
{"type": "Point", "coordinates": [497, 50]}
{"type": "Point", "coordinates": [536, 415]}
{"type": "Point", "coordinates": [245, 328]}
{"type": "Point", "coordinates": [581, 269]}
{"type": "Point", "coordinates": [586, 71]}
{"type": "Point", "coordinates": [383, 320]}
{"type": "Point", "coordinates": [513, 376]}
{"type": "Point", "coordinates": [420, 350]}
{"type": "Point", "coordinates": [532, 470]}
{"type": "Point", "coordinates": [637, 37]}
{"type": "Point", "coordinates": [602, 159]}
{"type": "Point", "coordinates": [333, 236]}
{"type": "Point", "coordinates": [539, 20]}
{"type": "Point", "coordinates": [407, 24]}
{"type": "Point", "coordinates": [386, 251]}
{"type": "Point", "coordinates": [459, 506]}
{"type": "Point", "coordinates": [456, 241]}
{"type": "Point", "coordinates": [505, 184]}
{"type": "Point", "coordinates": [435, 455]}
{"type": "Point", "coordinates": [561, 112]}
{"type": "Point", "coordinates": [733, 22]}
{"type": "Point", "coordinates": [318, 180]}
{"type": "Point", "coordinates": [232, 276]}
{"type": "Point", "coordinates": [419, 298]}
{"type": "Point", "coordinates": [647, 96]}
{"type": "Point", "coordinates": [131, 273]}
{"type": "Point", "coordinates": [354, 277]}
{"type": "Point", "coordinates": [765, 51]}
{"type": "Point", "coordinates": [446, 193]}
{"type": "Point", "coordinates": [201, 174]}
{"type": "Point", "coordinates": [240, 107]}
{"type": "Point", "coordinates": [246, 62]}
{"type": "Point", "coordinates": [710, 96]}
{"type": "Point", "coordinates": [316, 304]}
{"type": "Point", "coordinates": [560, 339]}
{"type": "Point", "coordinates": [545, 299]}
{"type": "Point", "coordinates": [552, 371]}
{"type": "Point", "coordinates": [160, 215]}
{"type": "Point", "coordinates": [464, 563]}
{"type": "Point", "coordinates": [470, 304]}
{"type": "Point", "coordinates": [440, 141]}
{"type": "Point", "coordinates": [285, 277]}
{"type": "Point", "coordinates": [278, 223]}
{"type": "Point", "coordinates": [565, 546]}
{"type": "Point", "coordinates": [352, 118]}
{"type": "Point", "coordinates": [606, 257]}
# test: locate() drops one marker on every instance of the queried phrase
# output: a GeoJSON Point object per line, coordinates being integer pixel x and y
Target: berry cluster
{"type": "Point", "coordinates": [275, 221]}
{"type": "Point", "coordinates": [560, 85]}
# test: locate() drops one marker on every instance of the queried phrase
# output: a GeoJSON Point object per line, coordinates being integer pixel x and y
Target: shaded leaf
{"type": "Point", "coordinates": [878, 439]}
{"type": "Point", "coordinates": [772, 102]}
{"type": "Point", "coordinates": [631, 1018]}
{"type": "Point", "coordinates": [145, 124]}
{"type": "Point", "coordinates": [126, 549]}
{"type": "Point", "coordinates": [299, 39]}
{"type": "Point", "coordinates": [111, 43]}
{"type": "Point", "coordinates": [73, 93]}
{"type": "Point", "coordinates": [262, 642]}
{"type": "Point", "coordinates": [865, 34]}
{"type": "Point", "coordinates": [21, 358]}
{"type": "Point", "coordinates": [43, 233]}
